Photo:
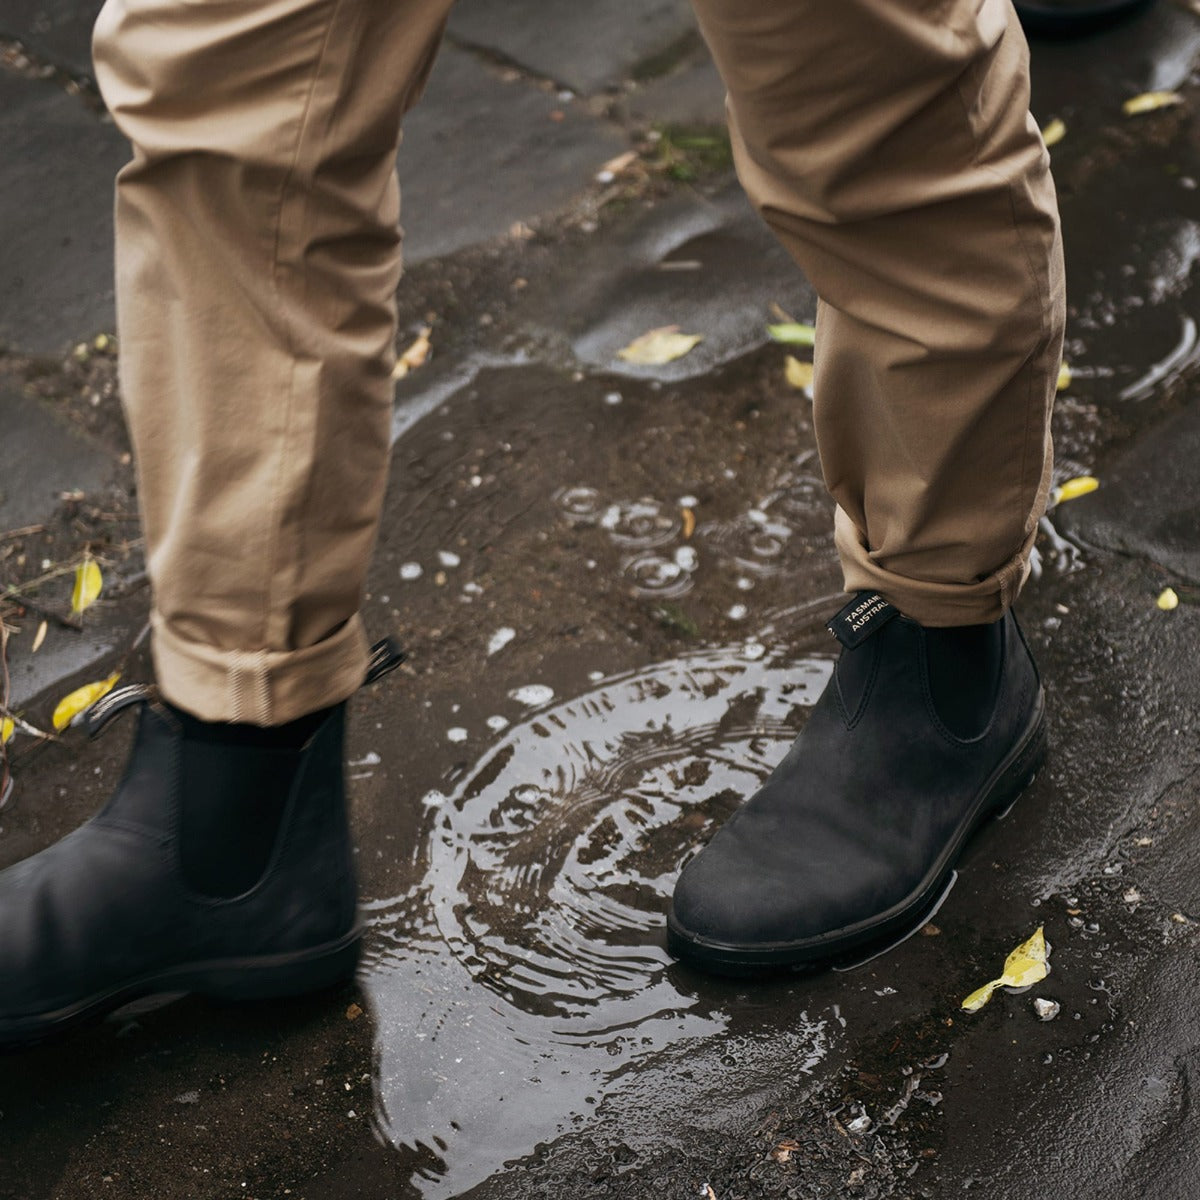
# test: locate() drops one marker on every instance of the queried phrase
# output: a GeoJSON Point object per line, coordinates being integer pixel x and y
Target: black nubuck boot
{"type": "Point", "coordinates": [221, 865]}
{"type": "Point", "coordinates": [920, 735]}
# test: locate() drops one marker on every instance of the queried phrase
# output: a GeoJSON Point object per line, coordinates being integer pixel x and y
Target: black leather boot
{"type": "Point", "coordinates": [150, 896]}
{"type": "Point", "coordinates": [856, 832]}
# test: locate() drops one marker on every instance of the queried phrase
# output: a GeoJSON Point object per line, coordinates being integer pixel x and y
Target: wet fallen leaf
{"type": "Point", "coordinates": [784, 1151]}
{"type": "Point", "coordinates": [39, 637]}
{"type": "Point", "coordinates": [1064, 378]}
{"type": "Point", "coordinates": [1026, 965]}
{"type": "Point", "coordinates": [1054, 133]}
{"type": "Point", "coordinates": [1150, 102]}
{"type": "Point", "coordinates": [1072, 489]}
{"type": "Point", "coordinates": [798, 374]}
{"type": "Point", "coordinates": [709, 1194]}
{"type": "Point", "coordinates": [658, 346]}
{"type": "Point", "coordinates": [81, 699]}
{"type": "Point", "coordinates": [88, 585]}
{"type": "Point", "coordinates": [689, 522]}
{"type": "Point", "coordinates": [7, 729]}
{"type": "Point", "coordinates": [793, 333]}
{"type": "Point", "coordinates": [1168, 599]}
{"type": "Point", "coordinates": [353, 1012]}
{"type": "Point", "coordinates": [415, 356]}
{"type": "Point", "coordinates": [930, 930]}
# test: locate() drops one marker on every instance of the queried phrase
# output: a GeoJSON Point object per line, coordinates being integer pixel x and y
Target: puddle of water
{"type": "Point", "coordinates": [523, 985]}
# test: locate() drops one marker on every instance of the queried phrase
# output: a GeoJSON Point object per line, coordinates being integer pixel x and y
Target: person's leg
{"type": "Point", "coordinates": [890, 147]}
{"type": "Point", "coordinates": [258, 254]}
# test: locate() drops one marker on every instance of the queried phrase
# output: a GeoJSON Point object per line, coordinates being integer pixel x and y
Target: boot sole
{"type": "Point", "coordinates": [262, 977]}
{"type": "Point", "coordinates": [1014, 774]}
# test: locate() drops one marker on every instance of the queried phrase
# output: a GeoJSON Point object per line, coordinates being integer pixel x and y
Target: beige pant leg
{"type": "Point", "coordinates": [258, 255]}
{"type": "Point", "coordinates": [888, 143]}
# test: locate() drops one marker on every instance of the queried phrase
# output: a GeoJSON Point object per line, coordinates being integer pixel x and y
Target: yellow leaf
{"type": "Point", "coordinates": [793, 334]}
{"type": "Point", "coordinates": [415, 356]}
{"type": "Point", "coordinates": [39, 638]}
{"type": "Point", "coordinates": [798, 374]}
{"type": "Point", "coordinates": [1168, 599]}
{"type": "Point", "coordinates": [659, 346]}
{"type": "Point", "coordinates": [88, 583]}
{"type": "Point", "coordinates": [1150, 102]}
{"type": "Point", "coordinates": [1054, 133]}
{"type": "Point", "coordinates": [1064, 378]}
{"type": "Point", "coordinates": [1072, 489]}
{"type": "Point", "coordinates": [69, 707]}
{"type": "Point", "coordinates": [6, 730]}
{"type": "Point", "coordinates": [1028, 964]}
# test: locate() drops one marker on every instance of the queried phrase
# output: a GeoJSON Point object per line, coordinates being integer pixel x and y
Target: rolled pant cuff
{"type": "Point", "coordinates": [934, 604]}
{"type": "Point", "coordinates": [259, 687]}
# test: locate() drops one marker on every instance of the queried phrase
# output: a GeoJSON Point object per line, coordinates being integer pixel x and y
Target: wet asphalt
{"type": "Point", "coordinates": [611, 583]}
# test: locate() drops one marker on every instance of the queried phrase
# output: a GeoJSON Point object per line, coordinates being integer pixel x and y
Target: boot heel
{"type": "Point", "coordinates": [282, 975]}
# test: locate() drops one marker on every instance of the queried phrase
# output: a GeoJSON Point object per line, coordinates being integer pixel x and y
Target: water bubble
{"type": "Point", "coordinates": [580, 505]}
{"type": "Point", "coordinates": [411, 570]}
{"type": "Point", "coordinates": [448, 558]}
{"type": "Point", "coordinates": [500, 639]}
{"type": "Point", "coordinates": [642, 523]}
{"type": "Point", "coordinates": [457, 734]}
{"type": "Point", "coordinates": [532, 694]}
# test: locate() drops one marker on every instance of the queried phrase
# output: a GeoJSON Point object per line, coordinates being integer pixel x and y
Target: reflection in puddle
{"type": "Point", "coordinates": [517, 988]}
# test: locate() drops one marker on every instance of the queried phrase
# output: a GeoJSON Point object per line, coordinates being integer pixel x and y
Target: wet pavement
{"type": "Point", "coordinates": [611, 583]}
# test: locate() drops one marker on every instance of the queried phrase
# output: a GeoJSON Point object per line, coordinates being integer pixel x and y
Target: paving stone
{"type": "Point", "coordinates": [59, 31]}
{"type": "Point", "coordinates": [1149, 504]}
{"type": "Point", "coordinates": [709, 266]}
{"type": "Point", "coordinates": [481, 153]}
{"type": "Point", "coordinates": [56, 212]}
{"type": "Point", "coordinates": [587, 47]}
{"type": "Point", "coordinates": [43, 456]}
{"type": "Point", "coordinates": [693, 96]}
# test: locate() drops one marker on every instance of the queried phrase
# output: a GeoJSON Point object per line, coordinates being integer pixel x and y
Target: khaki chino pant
{"type": "Point", "coordinates": [887, 142]}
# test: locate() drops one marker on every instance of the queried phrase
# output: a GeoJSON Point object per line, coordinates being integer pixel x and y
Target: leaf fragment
{"type": "Point", "coordinates": [1054, 132]}
{"type": "Point", "coordinates": [7, 729]}
{"type": "Point", "coordinates": [1028, 964]}
{"type": "Point", "coordinates": [88, 585]}
{"type": "Point", "coordinates": [792, 333]}
{"type": "Point", "coordinates": [415, 356]}
{"type": "Point", "coordinates": [689, 522]}
{"type": "Point", "coordinates": [1150, 102]}
{"type": "Point", "coordinates": [81, 699]}
{"type": "Point", "coordinates": [1072, 489]}
{"type": "Point", "coordinates": [39, 637]}
{"type": "Point", "coordinates": [659, 346]}
{"type": "Point", "coordinates": [1064, 378]}
{"type": "Point", "coordinates": [1168, 599]}
{"type": "Point", "coordinates": [798, 374]}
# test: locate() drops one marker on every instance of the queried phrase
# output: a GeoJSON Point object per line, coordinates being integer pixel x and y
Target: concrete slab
{"type": "Point", "coordinates": [1149, 506]}
{"type": "Point", "coordinates": [691, 97]}
{"type": "Point", "coordinates": [586, 47]}
{"type": "Point", "coordinates": [59, 31]}
{"type": "Point", "coordinates": [43, 456]}
{"type": "Point", "coordinates": [56, 212]}
{"type": "Point", "coordinates": [708, 265]}
{"type": "Point", "coordinates": [481, 153]}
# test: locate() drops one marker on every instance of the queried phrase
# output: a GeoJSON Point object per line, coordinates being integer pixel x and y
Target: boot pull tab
{"type": "Point", "coordinates": [865, 614]}
{"type": "Point", "coordinates": [386, 656]}
{"type": "Point", "coordinates": [96, 718]}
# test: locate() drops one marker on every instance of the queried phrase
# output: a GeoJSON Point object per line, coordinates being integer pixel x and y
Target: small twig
{"type": "Point", "coordinates": [25, 727]}
{"type": "Point", "coordinates": [16, 590]}
{"type": "Point", "coordinates": [49, 614]}
{"type": "Point", "coordinates": [10, 534]}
